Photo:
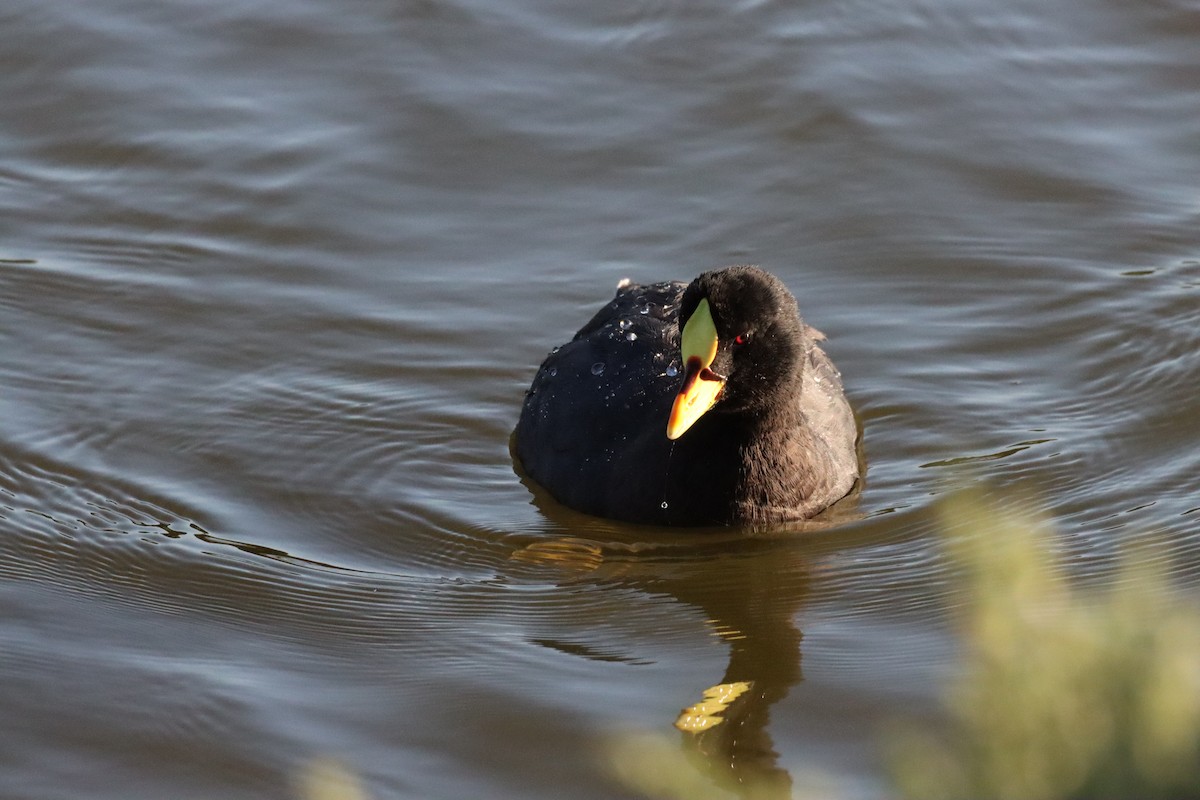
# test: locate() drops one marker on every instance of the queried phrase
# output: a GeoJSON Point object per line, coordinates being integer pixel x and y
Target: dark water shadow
{"type": "Point", "coordinates": [754, 610]}
{"type": "Point", "coordinates": [750, 590]}
{"type": "Point", "coordinates": [749, 584]}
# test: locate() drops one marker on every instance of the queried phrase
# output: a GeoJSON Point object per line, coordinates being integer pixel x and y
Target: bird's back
{"type": "Point", "coordinates": [593, 425]}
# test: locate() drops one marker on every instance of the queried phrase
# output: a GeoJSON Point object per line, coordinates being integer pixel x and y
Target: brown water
{"type": "Point", "coordinates": [274, 278]}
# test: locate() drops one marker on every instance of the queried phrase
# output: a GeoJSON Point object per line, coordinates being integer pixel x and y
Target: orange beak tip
{"type": "Point", "coordinates": [692, 403]}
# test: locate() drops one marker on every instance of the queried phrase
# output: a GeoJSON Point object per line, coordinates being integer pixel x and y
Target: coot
{"type": "Point", "coordinates": [692, 404]}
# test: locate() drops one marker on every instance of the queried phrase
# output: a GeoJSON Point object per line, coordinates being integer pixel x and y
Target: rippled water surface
{"type": "Point", "coordinates": [274, 277]}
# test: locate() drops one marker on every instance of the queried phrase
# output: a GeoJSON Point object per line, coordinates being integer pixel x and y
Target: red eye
{"type": "Point", "coordinates": [741, 338]}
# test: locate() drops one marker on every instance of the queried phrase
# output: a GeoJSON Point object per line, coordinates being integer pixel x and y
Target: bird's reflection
{"type": "Point", "coordinates": [751, 589]}
{"type": "Point", "coordinates": [752, 604]}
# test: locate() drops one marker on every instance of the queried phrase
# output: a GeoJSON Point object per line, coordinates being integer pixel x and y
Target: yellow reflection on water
{"type": "Point", "coordinates": [707, 713]}
{"type": "Point", "coordinates": [564, 552]}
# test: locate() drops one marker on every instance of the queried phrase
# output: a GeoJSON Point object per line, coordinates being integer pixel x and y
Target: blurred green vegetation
{"type": "Point", "coordinates": [1063, 693]}
{"type": "Point", "coordinates": [328, 779]}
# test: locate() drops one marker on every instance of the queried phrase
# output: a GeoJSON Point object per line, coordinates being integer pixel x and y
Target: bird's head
{"type": "Point", "coordinates": [742, 342]}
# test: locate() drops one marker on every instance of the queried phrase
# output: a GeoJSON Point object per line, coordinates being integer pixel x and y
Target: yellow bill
{"type": "Point", "coordinates": [701, 386]}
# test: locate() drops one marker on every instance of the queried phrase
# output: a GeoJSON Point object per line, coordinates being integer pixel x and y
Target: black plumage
{"type": "Point", "coordinates": [779, 443]}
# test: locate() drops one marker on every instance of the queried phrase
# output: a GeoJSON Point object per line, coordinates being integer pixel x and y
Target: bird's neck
{"type": "Point", "coordinates": [775, 461]}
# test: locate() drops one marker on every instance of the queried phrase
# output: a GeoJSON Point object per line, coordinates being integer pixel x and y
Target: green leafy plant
{"type": "Point", "coordinates": [1063, 693]}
